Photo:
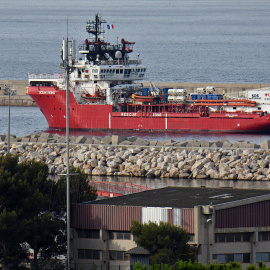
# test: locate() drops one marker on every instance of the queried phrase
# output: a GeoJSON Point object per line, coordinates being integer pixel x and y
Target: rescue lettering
{"type": "Point", "coordinates": [128, 114]}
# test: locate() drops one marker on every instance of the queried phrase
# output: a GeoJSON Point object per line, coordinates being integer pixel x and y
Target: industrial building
{"type": "Point", "coordinates": [224, 224]}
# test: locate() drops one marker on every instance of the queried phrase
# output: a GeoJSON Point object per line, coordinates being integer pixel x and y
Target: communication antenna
{"type": "Point", "coordinates": [68, 66]}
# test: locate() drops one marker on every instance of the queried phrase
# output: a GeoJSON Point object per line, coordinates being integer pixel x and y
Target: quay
{"type": "Point", "coordinates": [21, 99]}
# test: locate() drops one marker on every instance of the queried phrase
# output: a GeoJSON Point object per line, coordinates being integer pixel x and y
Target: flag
{"type": "Point", "coordinates": [110, 26]}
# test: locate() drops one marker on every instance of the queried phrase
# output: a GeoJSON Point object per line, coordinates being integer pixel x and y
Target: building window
{"type": "Point", "coordinates": [88, 254]}
{"type": "Point", "coordinates": [238, 257]}
{"type": "Point", "coordinates": [262, 256]}
{"type": "Point", "coordinates": [119, 235]}
{"type": "Point", "coordinates": [264, 236]}
{"type": "Point", "coordinates": [92, 234]}
{"type": "Point", "coordinates": [119, 256]}
{"type": "Point", "coordinates": [232, 237]}
{"type": "Point", "coordinates": [191, 238]}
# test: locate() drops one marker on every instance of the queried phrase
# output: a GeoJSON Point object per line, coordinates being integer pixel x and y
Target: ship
{"type": "Point", "coordinates": [105, 91]}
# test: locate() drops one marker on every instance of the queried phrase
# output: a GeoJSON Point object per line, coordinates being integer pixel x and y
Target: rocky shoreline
{"type": "Point", "coordinates": [133, 156]}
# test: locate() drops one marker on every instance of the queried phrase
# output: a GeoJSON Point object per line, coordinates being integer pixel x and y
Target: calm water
{"type": "Point", "coordinates": [179, 40]}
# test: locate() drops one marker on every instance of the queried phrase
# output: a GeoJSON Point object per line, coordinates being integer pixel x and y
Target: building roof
{"type": "Point", "coordinates": [183, 197]}
{"type": "Point", "coordinates": [138, 251]}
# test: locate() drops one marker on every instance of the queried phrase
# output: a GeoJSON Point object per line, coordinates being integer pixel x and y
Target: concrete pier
{"type": "Point", "coordinates": [21, 99]}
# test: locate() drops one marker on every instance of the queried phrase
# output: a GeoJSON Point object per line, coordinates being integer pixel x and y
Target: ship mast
{"type": "Point", "coordinates": [94, 27]}
{"type": "Point", "coordinates": [95, 48]}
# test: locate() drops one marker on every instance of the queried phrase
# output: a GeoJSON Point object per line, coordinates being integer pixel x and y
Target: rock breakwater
{"type": "Point", "coordinates": [134, 156]}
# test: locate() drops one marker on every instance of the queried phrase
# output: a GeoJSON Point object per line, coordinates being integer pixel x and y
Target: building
{"type": "Point", "coordinates": [224, 224]}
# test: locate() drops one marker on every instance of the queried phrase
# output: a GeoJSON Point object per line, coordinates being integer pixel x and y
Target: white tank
{"type": "Point", "coordinates": [172, 92]}
{"type": "Point", "coordinates": [171, 99]}
{"type": "Point", "coordinates": [181, 92]}
{"type": "Point", "coordinates": [180, 99]}
{"type": "Point", "coordinates": [200, 90]}
{"type": "Point", "coordinates": [210, 89]}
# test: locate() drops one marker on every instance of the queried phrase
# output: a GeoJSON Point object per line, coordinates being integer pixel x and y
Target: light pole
{"type": "Point", "coordinates": [8, 146]}
{"type": "Point", "coordinates": [8, 90]}
{"type": "Point", "coordinates": [67, 65]}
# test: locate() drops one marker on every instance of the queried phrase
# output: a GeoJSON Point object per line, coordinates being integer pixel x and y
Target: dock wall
{"type": "Point", "coordinates": [21, 99]}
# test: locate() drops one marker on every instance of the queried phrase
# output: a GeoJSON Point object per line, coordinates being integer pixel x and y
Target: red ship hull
{"type": "Point", "coordinates": [52, 103]}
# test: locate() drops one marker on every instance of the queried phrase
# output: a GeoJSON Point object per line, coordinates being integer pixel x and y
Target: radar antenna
{"type": "Point", "coordinates": [94, 27]}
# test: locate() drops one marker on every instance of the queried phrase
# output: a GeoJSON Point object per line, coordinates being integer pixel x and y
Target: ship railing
{"type": "Point", "coordinates": [105, 47]}
{"type": "Point", "coordinates": [46, 76]}
{"type": "Point", "coordinates": [119, 62]}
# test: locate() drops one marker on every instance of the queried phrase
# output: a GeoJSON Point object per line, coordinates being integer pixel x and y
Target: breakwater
{"type": "Point", "coordinates": [133, 156]}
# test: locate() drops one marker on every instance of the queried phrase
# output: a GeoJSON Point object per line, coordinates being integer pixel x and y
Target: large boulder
{"type": "Point", "coordinates": [265, 145]}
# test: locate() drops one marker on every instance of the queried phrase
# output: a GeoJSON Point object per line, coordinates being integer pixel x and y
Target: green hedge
{"type": "Point", "coordinates": [189, 265]}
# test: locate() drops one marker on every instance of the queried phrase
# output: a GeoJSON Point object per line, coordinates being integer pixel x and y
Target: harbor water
{"type": "Point", "coordinates": [178, 40]}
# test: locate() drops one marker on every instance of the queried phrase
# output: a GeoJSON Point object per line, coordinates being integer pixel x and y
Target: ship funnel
{"type": "Point", "coordinates": [118, 55]}
{"type": "Point", "coordinates": [65, 50]}
{"type": "Point", "coordinates": [73, 50]}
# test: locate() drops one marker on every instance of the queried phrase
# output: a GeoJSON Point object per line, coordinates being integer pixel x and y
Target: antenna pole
{"type": "Point", "coordinates": [67, 65]}
{"type": "Point", "coordinates": [68, 182]}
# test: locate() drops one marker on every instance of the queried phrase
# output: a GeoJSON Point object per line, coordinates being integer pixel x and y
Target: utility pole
{"type": "Point", "coordinates": [67, 65]}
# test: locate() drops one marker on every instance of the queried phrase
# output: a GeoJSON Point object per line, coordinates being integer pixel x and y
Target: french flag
{"type": "Point", "coordinates": [110, 26]}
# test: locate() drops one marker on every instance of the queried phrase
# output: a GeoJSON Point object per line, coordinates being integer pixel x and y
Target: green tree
{"type": "Point", "coordinates": [165, 242]}
{"type": "Point", "coordinates": [33, 210]}
{"type": "Point", "coordinates": [80, 190]}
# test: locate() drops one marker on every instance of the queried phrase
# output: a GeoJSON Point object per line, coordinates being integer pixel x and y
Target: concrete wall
{"type": "Point", "coordinates": [20, 86]}
{"type": "Point", "coordinates": [20, 99]}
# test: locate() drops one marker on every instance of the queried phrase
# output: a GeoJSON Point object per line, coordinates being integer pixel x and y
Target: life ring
{"type": "Point", "coordinates": [60, 76]}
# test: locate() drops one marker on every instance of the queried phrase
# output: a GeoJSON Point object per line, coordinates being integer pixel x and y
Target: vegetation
{"type": "Point", "coordinates": [166, 243]}
{"type": "Point", "coordinates": [189, 265]}
{"type": "Point", "coordinates": [33, 210]}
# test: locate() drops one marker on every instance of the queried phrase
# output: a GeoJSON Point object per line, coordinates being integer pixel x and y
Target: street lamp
{"type": "Point", "coordinates": [9, 91]}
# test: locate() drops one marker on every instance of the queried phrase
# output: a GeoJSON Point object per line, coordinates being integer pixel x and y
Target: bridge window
{"type": "Point", "coordinates": [127, 71]}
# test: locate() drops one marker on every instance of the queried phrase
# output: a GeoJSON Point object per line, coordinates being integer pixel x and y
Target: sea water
{"type": "Point", "coordinates": [178, 40]}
